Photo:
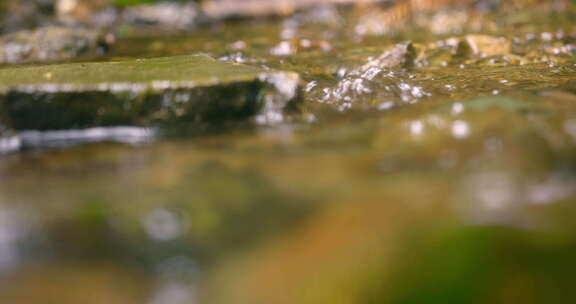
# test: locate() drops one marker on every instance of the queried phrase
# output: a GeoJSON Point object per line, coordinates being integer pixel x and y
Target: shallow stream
{"type": "Point", "coordinates": [440, 170]}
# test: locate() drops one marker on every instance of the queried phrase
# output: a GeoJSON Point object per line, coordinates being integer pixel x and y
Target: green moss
{"type": "Point", "coordinates": [180, 71]}
{"type": "Point", "coordinates": [132, 2]}
{"type": "Point", "coordinates": [194, 90]}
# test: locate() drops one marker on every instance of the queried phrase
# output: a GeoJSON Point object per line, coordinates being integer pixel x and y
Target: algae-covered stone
{"type": "Point", "coordinates": [192, 90]}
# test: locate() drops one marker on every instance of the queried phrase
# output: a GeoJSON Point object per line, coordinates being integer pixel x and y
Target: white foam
{"type": "Point", "coordinates": [10, 144]}
{"type": "Point", "coordinates": [129, 135]}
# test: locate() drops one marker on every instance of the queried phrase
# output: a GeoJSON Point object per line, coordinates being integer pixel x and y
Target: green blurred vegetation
{"type": "Point", "coordinates": [132, 2]}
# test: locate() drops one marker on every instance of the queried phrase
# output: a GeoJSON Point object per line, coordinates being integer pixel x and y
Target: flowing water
{"type": "Point", "coordinates": [413, 172]}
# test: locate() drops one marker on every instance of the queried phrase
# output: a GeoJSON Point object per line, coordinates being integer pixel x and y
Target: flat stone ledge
{"type": "Point", "coordinates": [193, 90]}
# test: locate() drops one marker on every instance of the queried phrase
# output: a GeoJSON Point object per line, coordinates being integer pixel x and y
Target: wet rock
{"type": "Point", "coordinates": [382, 77]}
{"type": "Point", "coordinates": [227, 8]}
{"type": "Point", "coordinates": [194, 91]}
{"type": "Point", "coordinates": [104, 14]}
{"type": "Point", "coordinates": [485, 45]}
{"type": "Point", "coordinates": [98, 13]}
{"type": "Point", "coordinates": [446, 22]}
{"type": "Point", "coordinates": [458, 46]}
{"type": "Point", "coordinates": [436, 16]}
{"type": "Point", "coordinates": [401, 56]}
{"type": "Point", "coordinates": [18, 15]}
{"type": "Point", "coordinates": [167, 15]}
{"type": "Point", "coordinates": [51, 43]}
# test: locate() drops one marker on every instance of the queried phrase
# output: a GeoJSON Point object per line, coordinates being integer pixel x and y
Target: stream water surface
{"type": "Point", "coordinates": [424, 165]}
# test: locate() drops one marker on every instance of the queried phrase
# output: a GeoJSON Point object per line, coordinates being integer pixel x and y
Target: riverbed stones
{"type": "Point", "coordinates": [52, 43]}
{"type": "Point", "coordinates": [163, 15]}
{"type": "Point", "coordinates": [16, 15]}
{"type": "Point", "coordinates": [227, 8]}
{"type": "Point", "coordinates": [194, 91]}
{"type": "Point", "coordinates": [486, 45]}
{"type": "Point", "coordinates": [401, 56]}
{"type": "Point", "coordinates": [94, 12]}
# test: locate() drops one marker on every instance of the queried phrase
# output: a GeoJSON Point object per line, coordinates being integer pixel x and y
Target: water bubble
{"type": "Point", "coordinates": [284, 48]}
{"type": "Point", "coordinates": [450, 87]}
{"type": "Point", "coordinates": [387, 105]}
{"type": "Point", "coordinates": [416, 127]}
{"type": "Point", "coordinates": [9, 144]}
{"type": "Point", "coordinates": [460, 129]}
{"type": "Point", "coordinates": [163, 225]}
{"type": "Point", "coordinates": [457, 108]}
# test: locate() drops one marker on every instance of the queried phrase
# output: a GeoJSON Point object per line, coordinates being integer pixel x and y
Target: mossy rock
{"type": "Point", "coordinates": [195, 91]}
